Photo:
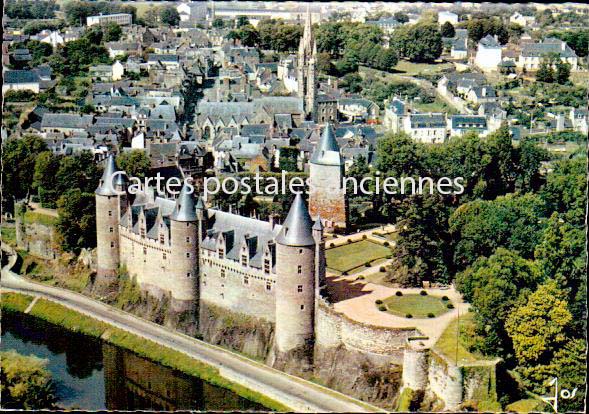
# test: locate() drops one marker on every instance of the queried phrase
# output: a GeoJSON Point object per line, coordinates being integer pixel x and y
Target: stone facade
{"type": "Point", "coordinates": [327, 195]}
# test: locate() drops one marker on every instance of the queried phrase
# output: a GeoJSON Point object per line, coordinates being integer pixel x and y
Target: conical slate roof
{"type": "Point", "coordinates": [107, 185]}
{"type": "Point", "coordinates": [297, 228]}
{"type": "Point", "coordinates": [185, 209]}
{"type": "Point", "coordinates": [327, 150]}
{"type": "Point", "coordinates": [318, 225]}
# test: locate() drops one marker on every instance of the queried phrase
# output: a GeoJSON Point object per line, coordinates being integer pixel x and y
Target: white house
{"type": "Point", "coordinates": [394, 115]}
{"type": "Point", "coordinates": [532, 54]}
{"type": "Point", "coordinates": [579, 118]}
{"type": "Point", "coordinates": [18, 80]}
{"type": "Point", "coordinates": [426, 128]}
{"type": "Point", "coordinates": [194, 10]}
{"type": "Point", "coordinates": [461, 124]}
{"type": "Point", "coordinates": [446, 16]}
{"type": "Point", "coordinates": [488, 54]}
{"type": "Point", "coordinates": [522, 20]}
{"type": "Point", "coordinates": [122, 19]}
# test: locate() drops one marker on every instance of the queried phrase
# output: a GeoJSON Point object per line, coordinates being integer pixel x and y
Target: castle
{"type": "Point", "coordinates": [193, 254]}
{"type": "Point", "coordinates": [306, 69]}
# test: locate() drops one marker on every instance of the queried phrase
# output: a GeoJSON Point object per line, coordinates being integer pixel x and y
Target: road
{"type": "Point", "coordinates": [294, 392]}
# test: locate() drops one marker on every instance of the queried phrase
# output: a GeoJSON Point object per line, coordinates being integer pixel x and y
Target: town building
{"type": "Point", "coordinates": [488, 54]}
{"type": "Point", "coordinates": [532, 54]}
{"type": "Point", "coordinates": [122, 19]}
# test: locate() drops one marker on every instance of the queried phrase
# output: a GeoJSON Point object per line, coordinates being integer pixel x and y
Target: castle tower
{"type": "Point", "coordinates": [327, 195]}
{"type": "Point", "coordinates": [111, 200]}
{"type": "Point", "coordinates": [320, 263]}
{"type": "Point", "coordinates": [295, 280]}
{"type": "Point", "coordinates": [184, 243]}
{"type": "Point", "coordinates": [306, 69]}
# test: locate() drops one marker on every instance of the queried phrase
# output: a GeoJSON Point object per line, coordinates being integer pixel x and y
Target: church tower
{"type": "Point", "coordinates": [111, 200]}
{"type": "Point", "coordinates": [306, 69]}
{"type": "Point", "coordinates": [327, 195]}
{"type": "Point", "coordinates": [295, 281]}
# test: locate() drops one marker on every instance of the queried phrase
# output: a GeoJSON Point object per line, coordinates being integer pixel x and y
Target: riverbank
{"type": "Point", "coordinates": [71, 320]}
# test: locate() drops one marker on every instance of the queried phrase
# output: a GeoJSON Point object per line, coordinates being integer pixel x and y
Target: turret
{"type": "Point", "coordinates": [327, 196]}
{"type": "Point", "coordinates": [295, 280]}
{"type": "Point", "coordinates": [111, 200]}
{"type": "Point", "coordinates": [183, 273]}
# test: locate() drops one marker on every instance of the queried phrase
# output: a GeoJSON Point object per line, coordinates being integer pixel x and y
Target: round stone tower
{"type": "Point", "coordinates": [111, 200]}
{"type": "Point", "coordinates": [295, 280]}
{"type": "Point", "coordinates": [320, 263]}
{"type": "Point", "coordinates": [183, 275]}
{"type": "Point", "coordinates": [415, 364]}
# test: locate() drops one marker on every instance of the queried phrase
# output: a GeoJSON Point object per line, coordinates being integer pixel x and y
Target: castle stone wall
{"type": "Point", "coordinates": [415, 368]}
{"type": "Point", "coordinates": [445, 380]}
{"type": "Point", "coordinates": [231, 292]}
{"type": "Point", "coordinates": [334, 329]}
{"type": "Point", "coordinates": [36, 238]}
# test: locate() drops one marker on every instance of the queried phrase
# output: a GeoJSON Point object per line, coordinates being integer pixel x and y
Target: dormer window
{"type": "Point", "coordinates": [299, 269]}
{"type": "Point", "coordinates": [244, 260]}
{"type": "Point", "coordinates": [221, 253]}
{"type": "Point", "coordinates": [266, 266]}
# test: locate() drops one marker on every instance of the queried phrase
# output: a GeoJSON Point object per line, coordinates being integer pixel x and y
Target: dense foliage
{"type": "Point", "coordinates": [30, 9]}
{"type": "Point", "coordinates": [421, 42]}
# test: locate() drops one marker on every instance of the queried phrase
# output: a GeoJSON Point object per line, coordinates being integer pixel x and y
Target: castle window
{"type": "Point", "coordinates": [246, 280]}
{"type": "Point", "coordinates": [112, 244]}
{"type": "Point", "coordinates": [268, 286]}
{"type": "Point", "coordinates": [302, 307]}
{"type": "Point", "coordinates": [244, 260]}
{"type": "Point", "coordinates": [299, 269]}
{"type": "Point", "coordinates": [222, 272]}
{"type": "Point", "coordinates": [161, 238]}
{"type": "Point", "coordinates": [188, 240]}
{"type": "Point", "coordinates": [266, 266]}
{"type": "Point", "coordinates": [110, 213]}
{"type": "Point", "coordinates": [145, 250]}
{"type": "Point", "coordinates": [188, 274]}
{"type": "Point", "coordinates": [299, 288]}
{"type": "Point", "coordinates": [188, 255]}
{"type": "Point", "coordinates": [221, 253]}
{"type": "Point", "coordinates": [187, 224]}
{"type": "Point", "coordinates": [300, 251]}
{"type": "Point", "coordinates": [164, 256]}
{"type": "Point", "coordinates": [110, 229]}
{"type": "Point", "coordinates": [142, 233]}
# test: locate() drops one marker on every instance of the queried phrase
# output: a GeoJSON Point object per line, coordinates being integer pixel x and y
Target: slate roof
{"type": "Point", "coordinates": [427, 121]}
{"type": "Point", "coordinates": [327, 151]}
{"type": "Point", "coordinates": [152, 57]}
{"type": "Point", "coordinates": [468, 122]}
{"type": "Point", "coordinates": [489, 42]}
{"type": "Point", "coordinates": [20, 76]}
{"type": "Point", "coordinates": [549, 45]}
{"type": "Point", "coordinates": [72, 121]}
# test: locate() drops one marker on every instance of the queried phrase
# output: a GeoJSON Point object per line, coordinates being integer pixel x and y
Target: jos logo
{"type": "Point", "coordinates": [564, 394]}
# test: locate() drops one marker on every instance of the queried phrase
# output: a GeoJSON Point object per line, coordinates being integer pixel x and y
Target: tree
{"type": "Point", "coordinates": [564, 191]}
{"type": "Point", "coordinates": [25, 382]}
{"type": "Point", "coordinates": [494, 285]}
{"type": "Point", "coordinates": [18, 159]}
{"type": "Point", "coordinates": [447, 30]}
{"type": "Point", "coordinates": [76, 225]}
{"type": "Point", "coordinates": [418, 43]}
{"type": "Point", "coordinates": [513, 221]}
{"type": "Point", "coordinates": [563, 72]}
{"type": "Point", "coordinates": [545, 72]}
{"type": "Point", "coordinates": [515, 32]}
{"type": "Point", "coordinates": [46, 167]}
{"type": "Point", "coordinates": [401, 17]}
{"type": "Point", "coordinates": [324, 64]}
{"type": "Point", "coordinates": [112, 32]}
{"type": "Point", "coordinates": [218, 23]}
{"type": "Point", "coordinates": [169, 15]}
{"type": "Point", "coordinates": [529, 159]}
{"type": "Point", "coordinates": [538, 328]}
{"type": "Point", "coordinates": [40, 51]}
{"type": "Point", "coordinates": [288, 158]}
{"type": "Point", "coordinates": [135, 163]}
{"type": "Point", "coordinates": [241, 21]}
{"type": "Point", "coordinates": [248, 35]}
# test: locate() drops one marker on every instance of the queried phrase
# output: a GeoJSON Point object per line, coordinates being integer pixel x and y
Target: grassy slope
{"type": "Point", "coordinates": [450, 347]}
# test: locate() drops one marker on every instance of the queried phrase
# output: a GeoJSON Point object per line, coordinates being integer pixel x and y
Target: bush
{"type": "Point", "coordinates": [398, 293]}
{"type": "Point", "coordinates": [431, 315]}
{"type": "Point", "coordinates": [361, 277]}
{"type": "Point", "coordinates": [423, 293]}
{"type": "Point", "coordinates": [386, 244]}
{"type": "Point", "coordinates": [344, 273]}
{"type": "Point", "coordinates": [364, 237]}
{"type": "Point", "coordinates": [450, 306]}
{"type": "Point", "coordinates": [349, 240]}
{"type": "Point", "coordinates": [367, 264]}
{"type": "Point", "coordinates": [378, 302]}
{"type": "Point", "coordinates": [382, 269]}
{"type": "Point", "coordinates": [445, 298]}
{"type": "Point", "coordinates": [409, 316]}
{"type": "Point", "coordinates": [382, 308]}
{"type": "Point", "coordinates": [331, 245]}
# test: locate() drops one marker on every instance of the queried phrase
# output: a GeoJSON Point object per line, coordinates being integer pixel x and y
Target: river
{"type": "Point", "coordinates": [90, 374]}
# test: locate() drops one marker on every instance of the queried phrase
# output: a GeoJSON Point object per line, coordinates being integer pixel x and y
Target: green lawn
{"type": "Point", "coordinates": [456, 348]}
{"type": "Point", "coordinates": [8, 235]}
{"type": "Point", "coordinates": [350, 256]}
{"type": "Point", "coordinates": [525, 406]}
{"type": "Point", "coordinates": [437, 106]}
{"type": "Point", "coordinates": [416, 305]}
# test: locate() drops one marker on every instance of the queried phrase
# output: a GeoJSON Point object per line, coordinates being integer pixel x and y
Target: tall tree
{"type": "Point", "coordinates": [418, 43]}
{"type": "Point", "coordinates": [448, 30]}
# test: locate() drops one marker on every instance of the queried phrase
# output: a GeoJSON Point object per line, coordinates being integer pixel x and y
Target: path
{"type": "Point", "coordinates": [299, 394]}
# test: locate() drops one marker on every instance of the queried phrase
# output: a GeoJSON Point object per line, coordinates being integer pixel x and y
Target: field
{"type": "Point", "coordinates": [36, 217]}
{"type": "Point", "coordinates": [354, 255]}
{"type": "Point", "coordinates": [412, 69]}
{"type": "Point", "coordinates": [417, 306]}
